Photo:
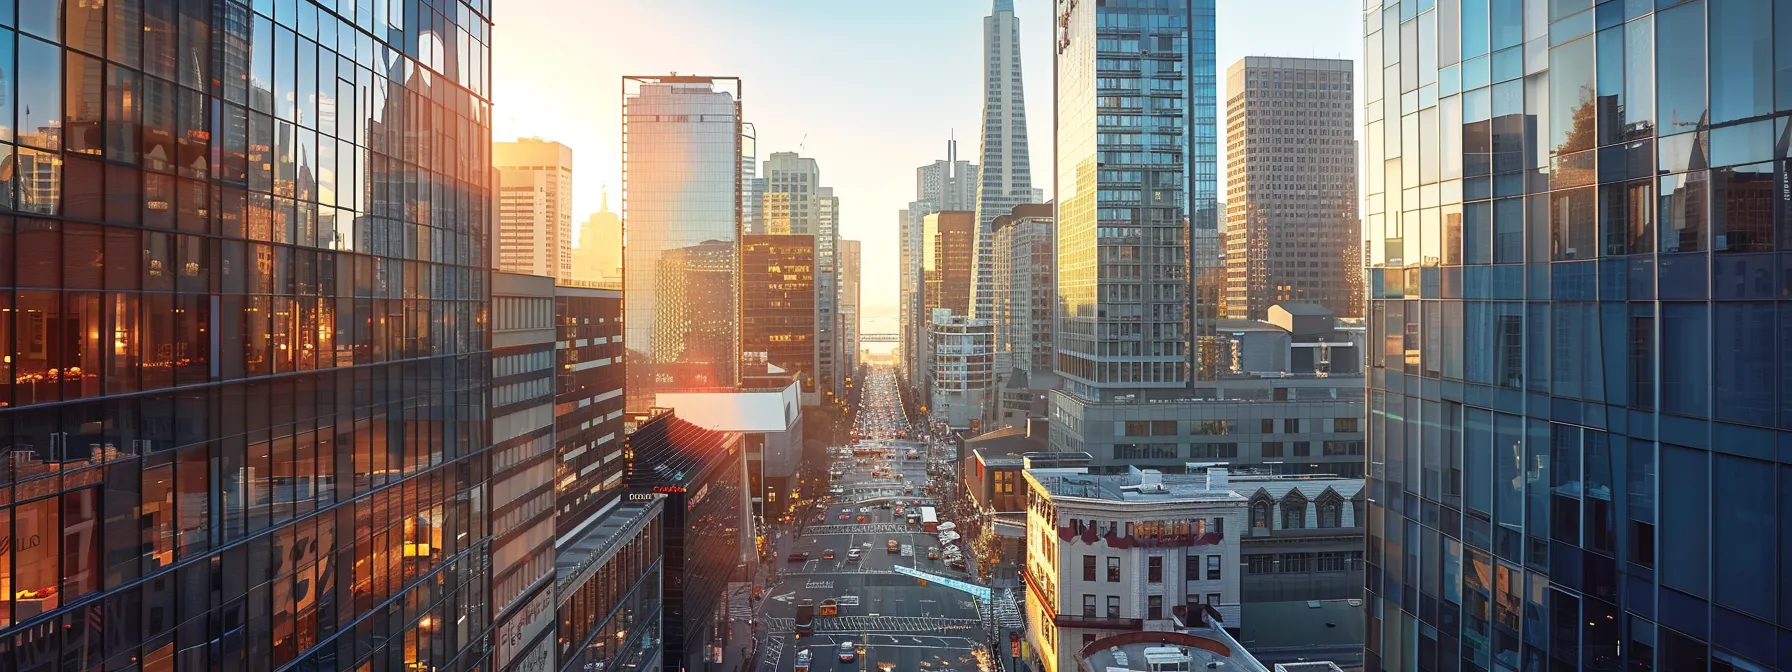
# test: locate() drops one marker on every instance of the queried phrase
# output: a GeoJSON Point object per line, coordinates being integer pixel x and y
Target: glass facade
{"type": "Point", "coordinates": [1579, 310]}
{"type": "Point", "coordinates": [609, 608]}
{"type": "Point", "coordinates": [588, 421]}
{"type": "Point", "coordinates": [1007, 175]}
{"type": "Point", "coordinates": [681, 212]}
{"type": "Point", "coordinates": [1136, 175]}
{"type": "Point", "coordinates": [778, 310]}
{"type": "Point", "coordinates": [278, 211]}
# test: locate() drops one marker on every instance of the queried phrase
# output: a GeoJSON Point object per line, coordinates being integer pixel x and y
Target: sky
{"type": "Point", "coordinates": [871, 89]}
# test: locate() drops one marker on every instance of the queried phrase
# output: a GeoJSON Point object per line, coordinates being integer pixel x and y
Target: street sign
{"type": "Point", "coordinates": [980, 592]}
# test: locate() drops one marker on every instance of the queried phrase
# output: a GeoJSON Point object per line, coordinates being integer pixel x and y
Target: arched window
{"type": "Point", "coordinates": [1260, 513]}
{"type": "Point", "coordinates": [1294, 511]}
{"type": "Point", "coordinates": [1331, 510]}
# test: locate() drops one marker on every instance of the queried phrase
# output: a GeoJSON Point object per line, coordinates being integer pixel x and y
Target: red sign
{"type": "Point", "coordinates": [669, 489]}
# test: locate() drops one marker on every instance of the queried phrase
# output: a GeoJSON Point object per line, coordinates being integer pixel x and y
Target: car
{"type": "Point", "coordinates": [893, 546]}
{"type": "Point", "coordinates": [847, 652]}
{"type": "Point", "coordinates": [855, 555]}
{"type": "Point", "coordinates": [799, 556]}
{"type": "Point", "coordinates": [845, 516]}
{"type": "Point", "coordinates": [827, 554]}
{"type": "Point", "coordinates": [933, 552]}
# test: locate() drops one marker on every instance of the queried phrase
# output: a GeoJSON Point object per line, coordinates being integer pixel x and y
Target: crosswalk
{"type": "Point", "coordinates": [855, 624]}
{"type": "Point", "coordinates": [771, 652]}
{"type": "Point", "coordinates": [867, 528]}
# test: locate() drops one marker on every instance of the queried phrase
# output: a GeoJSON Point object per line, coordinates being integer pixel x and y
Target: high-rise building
{"type": "Point", "coordinates": [681, 210]}
{"type": "Point", "coordinates": [598, 258]}
{"type": "Point", "coordinates": [752, 187]}
{"type": "Point", "coordinates": [850, 262]}
{"type": "Point", "coordinates": [1135, 193]}
{"type": "Point", "coordinates": [1026, 297]}
{"type": "Point", "coordinates": [1007, 177]}
{"type": "Point", "coordinates": [796, 203]}
{"type": "Point", "coordinates": [589, 394]}
{"type": "Point", "coordinates": [1292, 232]}
{"type": "Point", "coordinates": [949, 184]}
{"type": "Point", "coordinates": [778, 310]}
{"type": "Point", "coordinates": [962, 367]}
{"type": "Point", "coordinates": [534, 207]}
{"type": "Point", "coordinates": [522, 483]}
{"type": "Point", "coordinates": [1580, 378]}
{"type": "Point", "coordinates": [192, 459]}
{"type": "Point", "coordinates": [947, 266]}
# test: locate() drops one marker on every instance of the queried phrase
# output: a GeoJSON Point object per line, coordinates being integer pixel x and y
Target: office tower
{"type": "Point", "coordinates": [1026, 297]}
{"type": "Point", "coordinates": [534, 207]}
{"type": "Point", "coordinates": [587, 473]}
{"type": "Point", "coordinates": [699, 476]}
{"type": "Point", "coordinates": [950, 184]}
{"type": "Point", "coordinates": [1292, 230]}
{"type": "Point", "coordinates": [963, 368]}
{"type": "Point", "coordinates": [598, 258]}
{"type": "Point", "coordinates": [752, 187]}
{"type": "Point", "coordinates": [681, 211]}
{"type": "Point", "coordinates": [192, 456]}
{"type": "Point", "coordinates": [1007, 177]}
{"type": "Point", "coordinates": [1135, 193]}
{"type": "Point", "coordinates": [1580, 376]}
{"type": "Point", "coordinates": [947, 266]}
{"type": "Point", "coordinates": [522, 483]}
{"type": "Point", "coordinates": [796, 203]}
{"type": "Point", "coordinates": [778, 305]}
{"type": "Point", "coordinates": [850, 260]}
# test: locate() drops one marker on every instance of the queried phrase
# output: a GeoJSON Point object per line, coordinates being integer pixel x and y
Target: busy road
{"type": "Point", "coordinates": [838, 585]}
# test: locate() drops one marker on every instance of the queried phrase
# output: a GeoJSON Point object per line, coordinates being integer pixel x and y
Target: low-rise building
{"type": "Point", "coordinates": [1112, 557]}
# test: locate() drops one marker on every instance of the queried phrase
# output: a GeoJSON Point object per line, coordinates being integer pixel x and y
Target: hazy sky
{"type": "Point", "coordinates": [870, 89]}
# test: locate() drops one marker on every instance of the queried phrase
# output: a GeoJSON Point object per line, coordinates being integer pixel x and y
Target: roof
{"type": "Point", "coordinates": [1140, 487]}
{"type": "Point", "coordinates": [1279, 488]}
{"type": "Point", "coordinates": [1304, 309]}
{"type": "Point", "coordinates": [1002, 443]}
{"type": "Point", "coordinates": [1287, 625]}
{"type": "Point", "coordinates": [600, 540]}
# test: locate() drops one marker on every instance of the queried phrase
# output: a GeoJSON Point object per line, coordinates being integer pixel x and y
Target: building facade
{"type": "Point", "coordinates": [947, 267]}
{"type": "Point", "coordinates": [522, 466]}
{"type": "Point", "coordinates": [1025, 294]}
{"type": "Point", "coordinates": [1291, 186]}
{"type": "Point", "coordinates": [607, 598]}
{"type": "Point", "coordinates": [851, 261]}
{"type": "Point", "coordinates": [1006, 179]}
{"type": "Point", "coordinates": [778, 309]}
{"type": "Point", "coordinates": [699, 476]}
{"type": "Point", "coordinates": [598, 258]}
{"type": "Point", "coordinates": [588, 403]}
{"type": "Point", "coordinates": [534, 207]}
{"type": "Point", "coordinates": [950, 184]}
{"type": "Point", "coordinates": [832, 373]}
{"type": "Point", "coordinates": [1135, 162]}
{"type": "Point", "coordinates": [963, 373]}
{"type": "Point", "coordinates": [681, 211]}
{"type": "Point", "coordinates": [287, 430]}
{"type": "Point", "coordinates": [1579, 390]}
{"type": "Point", "coordinates": [1124, 554]}
{"type": "Point", "coordinates": [1304, 540]}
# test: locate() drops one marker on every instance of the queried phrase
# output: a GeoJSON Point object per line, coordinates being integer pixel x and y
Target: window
{"type": "Point", "coordinates": [1269, 426]}
{"type": "Point", "coordinates": [1291, 425]}
{"type": "Point", "coordinates": [1341, 448]}
{"type": "Point", "coordinates": [1154, 607]}
{"type": "Point", "coordinates": [1213, 568]}
{"type": "Point", "coordinates": [1113, 606]}
{"type": "Point", "coordinates": [1260, 564]}
{"type": "Point", "coordinates": [1272, 449]}
{"type": "Point", "coordinates": [1154, 569]}
{"type": "Point", "coordinates": [1163, 427]}
{"type": "Point", "coordinates": [1303, 448]}
{"type": "Point", "coordinates": [1295, 563]}
{"type": "Point", "coordinates": [1260, 513]}
{"type": "Point", "coordinates": [1329, 512]}
{"type": "Point", "coordinates": [1213, 599]}
{"type": "Point", "coordinates": [1344, 424]}
{"type": "Point", "coordinates": [1137, 428]}
{"type": "Point", "coordinates": [1088, 638]}
{"type": "Point", "coordinates": [1088, 568]}
{"type": "Point", "coordinates": [1294, 512]}
{"type": "Point", "coordinates": [1113, 570]}
{"type": "Point", "coordinates": [1089, 605]}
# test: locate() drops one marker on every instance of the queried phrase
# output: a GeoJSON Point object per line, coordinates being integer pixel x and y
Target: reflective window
{"type": "Point", "coordinates": [1741, 61]}
{"type": "Point", "coordinates": [1680, 67]}
{"type": "Point", "coordinates": [1686, 519]}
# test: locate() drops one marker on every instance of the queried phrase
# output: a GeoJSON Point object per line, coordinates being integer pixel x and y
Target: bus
{"type": "Point", "coordinates": [929, 522]}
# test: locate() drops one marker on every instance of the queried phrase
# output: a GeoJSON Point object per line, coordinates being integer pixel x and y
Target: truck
{"type": "Point", "coordinates": [805, 618]}
{"type": "Point", "coordinates": [803, 659]}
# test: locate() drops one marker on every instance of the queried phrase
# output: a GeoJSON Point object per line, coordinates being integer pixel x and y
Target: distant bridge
{"type": "Point", "coordinates": [880, 338]}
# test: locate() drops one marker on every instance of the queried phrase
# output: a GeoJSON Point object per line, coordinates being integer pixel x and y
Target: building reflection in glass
{"type": "Point", "coordinates": [243, 362]}
{"type": "Point", "coordinates": [681, 215]}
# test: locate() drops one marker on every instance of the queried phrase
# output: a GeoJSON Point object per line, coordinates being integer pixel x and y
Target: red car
{"type": "Point", "coordinates": [827, 554]}
{"type": "Point", "coordinates": [845, 517]}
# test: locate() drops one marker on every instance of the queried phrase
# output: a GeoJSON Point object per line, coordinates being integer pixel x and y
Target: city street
{"type": "Point", "coordinates": [906, 623]}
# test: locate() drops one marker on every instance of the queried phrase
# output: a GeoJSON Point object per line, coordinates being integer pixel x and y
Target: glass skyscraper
{"type": "Point", "coordinates": [681, 214]}
{"type": "Point", "coordinates": [1578, 230]}
{"type": "Point", "coordinates": [243, 335]}
{"type": "Point", "coordinates": [1007, 176]}
{"type": "Point", "coordinates": [1136, 192]}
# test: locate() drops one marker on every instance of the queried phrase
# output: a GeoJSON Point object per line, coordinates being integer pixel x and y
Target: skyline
{"type": "Point", "coordinates": [931, 42]}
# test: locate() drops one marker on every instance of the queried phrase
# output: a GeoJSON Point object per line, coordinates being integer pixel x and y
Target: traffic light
{"type": "Point", "coordinates": [1014, 644]}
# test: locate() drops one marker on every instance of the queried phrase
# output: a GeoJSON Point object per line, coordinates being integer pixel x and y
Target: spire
{"type": "Point", "coordinates": [603, 204]}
